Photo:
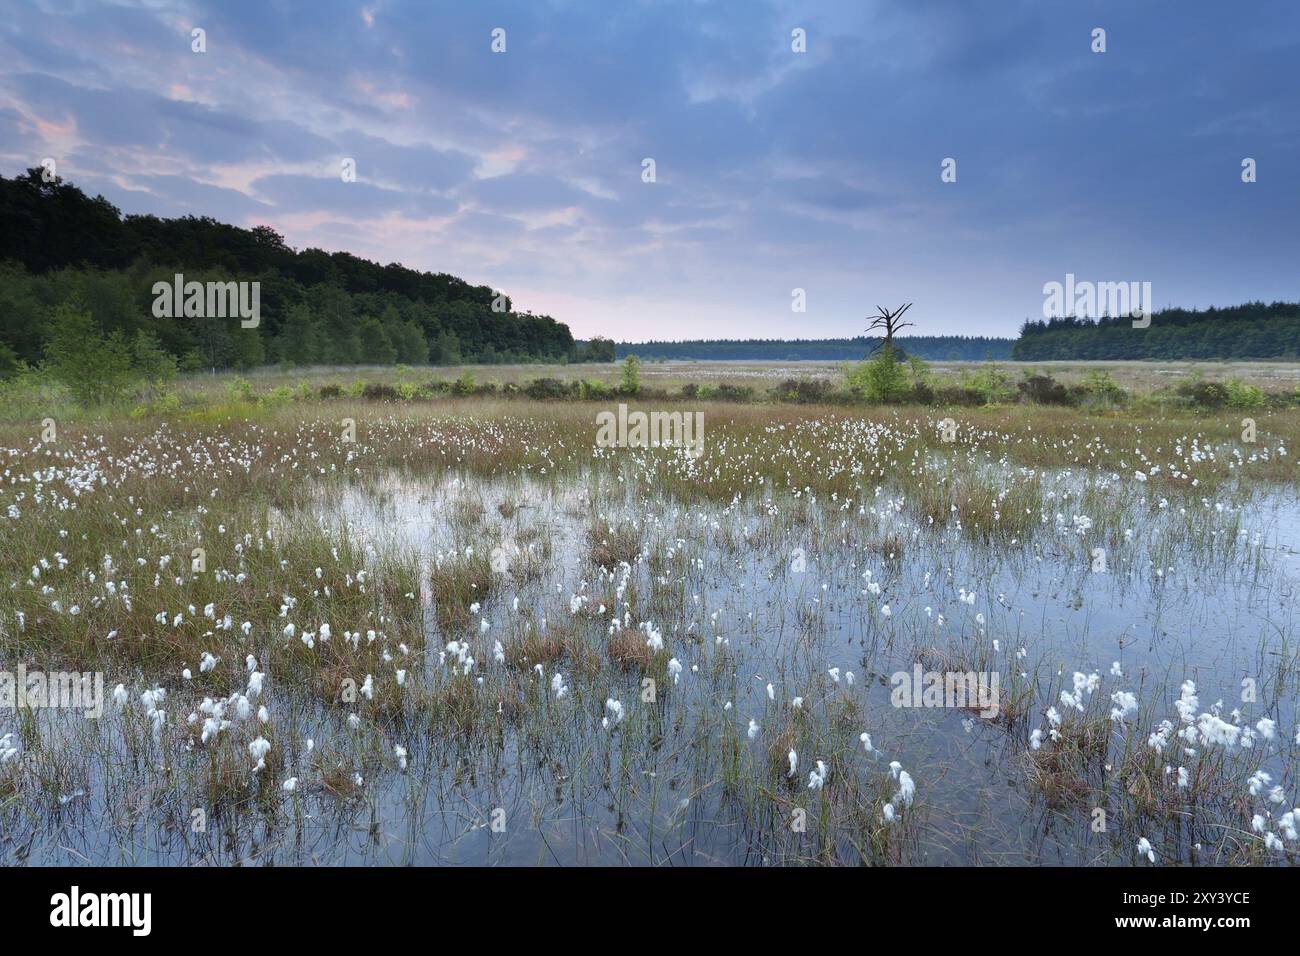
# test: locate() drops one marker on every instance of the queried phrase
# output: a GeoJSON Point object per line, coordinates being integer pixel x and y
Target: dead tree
{"type": "Point", "coordinates": [890, 322]}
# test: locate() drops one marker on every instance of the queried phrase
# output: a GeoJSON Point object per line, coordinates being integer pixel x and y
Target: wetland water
{"type": "Point", "coordinates": [822, 600]}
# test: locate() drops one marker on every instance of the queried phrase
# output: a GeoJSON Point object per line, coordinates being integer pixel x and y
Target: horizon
{"type": "Point", "coordinates": [523, 169]}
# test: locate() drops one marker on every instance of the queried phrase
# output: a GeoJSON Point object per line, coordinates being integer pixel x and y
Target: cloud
{"type": "Point", "coordinates": [774, 169]}
{"type": "Point", "coordinates": [298, 193]}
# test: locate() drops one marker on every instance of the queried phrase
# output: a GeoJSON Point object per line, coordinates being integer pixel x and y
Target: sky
{"type": "Point", "coordinates": [774, 170]}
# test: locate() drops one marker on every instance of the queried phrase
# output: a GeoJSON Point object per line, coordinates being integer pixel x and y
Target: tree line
{"type": "Point", "coordinates": [933, 347]}
{"type": "Point", "coordinates": [59, 246]}
{"type": "Point", "coordinates": [1254, 330]}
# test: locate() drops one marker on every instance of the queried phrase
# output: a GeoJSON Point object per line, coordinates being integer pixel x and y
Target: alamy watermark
{"type": "Point", "coordinates": [651, 430]}
{"type": "Point", "coordinates": [132, 911]}
{"type": "Point", "coordinates": [55, 690]}
{"type": "Point", "coordinates": [208, 300]}
{"type": "Point", "coordinates": [1092, 300]}
{"type": "Point", "coordinates": [968, 690]}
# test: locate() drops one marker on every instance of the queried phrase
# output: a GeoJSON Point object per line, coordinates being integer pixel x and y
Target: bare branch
{"type": "Point", "coordinates": [890, 322]}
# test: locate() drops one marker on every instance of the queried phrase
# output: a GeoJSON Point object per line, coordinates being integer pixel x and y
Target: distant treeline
{"type": "Point", "coordinates": [59, 245]}
{"type": "Point", "coordinates": [1251, 331]}
{"type": "Point", "coordinates": [934, 347]}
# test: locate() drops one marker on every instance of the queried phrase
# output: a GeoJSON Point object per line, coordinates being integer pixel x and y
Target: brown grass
{"type": "Point", "coordinates": [613, 546]}
{"type": "Point", "coordinates": [628, 649]}
{"type": "Point", "coordinates": [459, 582]}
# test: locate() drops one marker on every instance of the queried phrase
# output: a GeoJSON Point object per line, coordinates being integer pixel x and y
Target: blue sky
{"type": "Point", "coordinates": [775, 170]}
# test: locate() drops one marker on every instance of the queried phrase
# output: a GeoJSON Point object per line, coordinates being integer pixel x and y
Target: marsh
{"type": "Point", "coordinates": [474, 635]}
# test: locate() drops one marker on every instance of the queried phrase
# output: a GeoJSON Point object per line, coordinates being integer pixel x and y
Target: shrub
{"type": "Point", "coordinates": [992, 384]}
{"type": "Point", "coordinates": [727, 392]}
{"type": "Point", "coordinates": [630, 382]}
{"type": "Point", "coordinates": [280, 395]}
{"type": "Point", "coordinates": [880, 378]}
{"type": "Point", "coordinates": [1044, 390]}
{"type": "Point", "coordinates": [1202, 394]}
{"type": "Point", "coordinates": [239, 389]}
{"type": "Point", "coordinates": [922, 393]}
{"type": "Point", "coordinates": [464, 385]}
{"type": "Point", "coordinates": [805, 391]}
{"type": "Point", "coordinates": [167, 402]}
{"type": "Point", "coordinates": [1241, 395]}
{"type": "Point", "coordinates": [95, 368]}
{"type": "Point", "coordinates": [1099, 388]}
{"type": "Point", "coordinates": [548, 388]}
{"type": "Point", "coordinates": [330, 391]}
{"type": "Point", "coordinates": [379, 391]}
{"type": "Point", "coordinates": [958, 395]}
{"type": "Point", "coordinates": [594, 389]}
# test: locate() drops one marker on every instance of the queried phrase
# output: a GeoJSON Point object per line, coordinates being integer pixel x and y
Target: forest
{"type": "Point", "coordinates": [1250, 331]}
{"type": "Point", "coordinates": [59, 247]}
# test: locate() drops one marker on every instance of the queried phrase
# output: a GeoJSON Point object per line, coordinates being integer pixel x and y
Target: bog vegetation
{"type": "Point", "coordinates": [422, 623]}
{"type": "Point", "coordinates": [85, 371]}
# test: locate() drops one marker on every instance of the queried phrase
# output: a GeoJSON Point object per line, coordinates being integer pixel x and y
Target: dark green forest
{"type": "Point", "coordinates": [60, 246]}
{"type": "Point", "coordinates": [1251, 331]}
{"type": "Point", "coordinates": [934, 347]}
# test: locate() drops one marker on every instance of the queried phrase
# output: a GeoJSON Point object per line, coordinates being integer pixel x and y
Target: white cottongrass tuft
{"type": "Point", "coordinates": [817, 777]}
{"type": "Point", "coordinates": [613, 713]}
{"type": "Point", "coordinates": [1144, 849]}
{"type": "Point", "coordinates": [259, 748]}
{"type": "Point", "coordinates": [906, 789]}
